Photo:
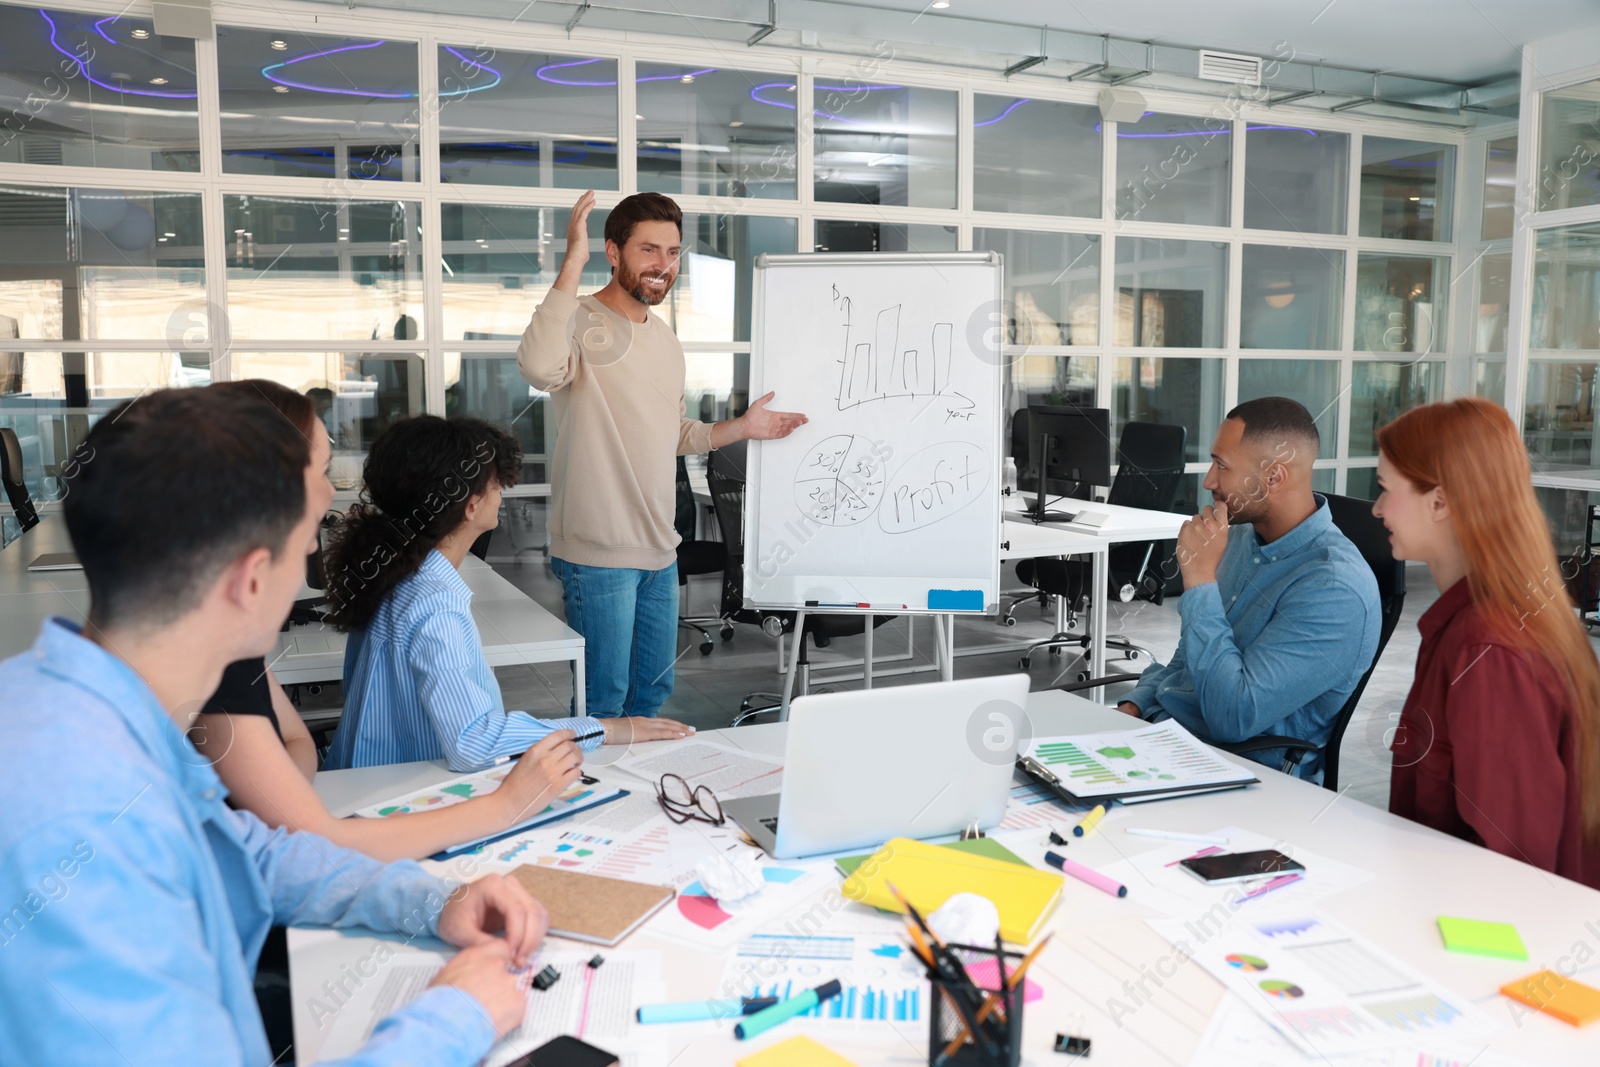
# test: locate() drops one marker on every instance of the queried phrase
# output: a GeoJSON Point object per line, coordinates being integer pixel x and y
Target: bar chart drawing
{"type": "Point", "coordinates": [887, 358]}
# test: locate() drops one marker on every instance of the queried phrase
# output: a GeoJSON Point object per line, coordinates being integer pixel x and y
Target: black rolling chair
{"type": "Point", "coordinates": [1355, 519]}
{"type": "Point", "coordinates": [1149, 475]}
{"type": "Point", "coordinates": [695, 558]}
{"type": "Point", "coordinates": [725, 474]}
{"type": "Point", "coordinates": [11, 475]}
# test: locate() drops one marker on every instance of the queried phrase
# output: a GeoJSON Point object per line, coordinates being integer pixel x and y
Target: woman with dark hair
{"type": "Point", "coordinates": [264, 754]}
{"type": "Point", "coordinates": [1499, 739]}
{"type": "Point", "coordinates": [417, 685]}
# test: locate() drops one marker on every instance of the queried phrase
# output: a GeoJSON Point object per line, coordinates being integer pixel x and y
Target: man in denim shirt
{"type": "Point", "coordinates": [136, 901]}
{"type": "Point", "coordinates": [1280, 612]}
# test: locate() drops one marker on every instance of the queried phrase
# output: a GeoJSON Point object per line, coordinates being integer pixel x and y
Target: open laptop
{"type": "Point", "coordinates": [909, 761]}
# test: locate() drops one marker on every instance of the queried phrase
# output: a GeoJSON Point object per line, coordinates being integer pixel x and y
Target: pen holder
{"type": "Point", "coordinates": [999, 1037]}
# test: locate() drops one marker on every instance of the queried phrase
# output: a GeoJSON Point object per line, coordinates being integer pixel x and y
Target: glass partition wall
{"type": "Point", "coordinates": [372, 221]}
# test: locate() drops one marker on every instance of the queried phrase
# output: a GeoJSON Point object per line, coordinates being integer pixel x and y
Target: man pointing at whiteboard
{"type": "Point", "coordinates": [615, 373]}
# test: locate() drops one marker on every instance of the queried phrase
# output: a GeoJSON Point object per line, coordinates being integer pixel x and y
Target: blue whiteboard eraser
{"type": "Point", "coordinates": [955, 600]}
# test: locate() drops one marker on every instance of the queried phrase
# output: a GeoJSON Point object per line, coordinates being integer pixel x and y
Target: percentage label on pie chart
{"type": "Point", "coordinates": [840, 481]}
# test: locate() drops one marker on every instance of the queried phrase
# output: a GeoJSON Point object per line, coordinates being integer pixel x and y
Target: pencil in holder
{"type": "Point", "coordinates": [955, 1008]}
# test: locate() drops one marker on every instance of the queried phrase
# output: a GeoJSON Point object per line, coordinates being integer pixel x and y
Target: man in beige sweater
{"type": "Point", "coordinates": [615, 373]}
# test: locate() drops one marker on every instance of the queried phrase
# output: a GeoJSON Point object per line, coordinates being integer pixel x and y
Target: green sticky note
{"type": "Point", "coordinates": [1500, 940]}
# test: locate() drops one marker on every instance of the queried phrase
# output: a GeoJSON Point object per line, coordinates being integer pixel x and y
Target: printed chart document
{"type": "Point", "coordinates": [1163, 759]}
{"type": "Point", "coordinates": [1158, 881]}
{"type": "Point", "coordinates": [1238, 1037]}
{"type": "Point", "coordinates": [885, 985]}
{"type": "Point", "coordinates": [595, 1004]}
{"type": "Point", "coordinates": [727, 771]}
{"type": "Point", "coordinates": [1327, 989]}
{"type": "Point", "coordinates": [578, 797]}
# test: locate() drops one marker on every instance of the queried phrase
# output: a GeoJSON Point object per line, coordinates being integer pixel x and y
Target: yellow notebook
{"type": "Point", "coordinates": [796, 1052]}
{"type": "Point", "coordinates": [929, 875]}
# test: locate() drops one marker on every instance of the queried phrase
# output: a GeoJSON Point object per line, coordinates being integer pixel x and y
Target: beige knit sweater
{"type": "Point", "coordinates": [617, 392]}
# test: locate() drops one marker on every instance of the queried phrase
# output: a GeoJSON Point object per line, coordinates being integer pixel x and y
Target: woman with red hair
{"type": "Point", "coordinates": [1499, 740]}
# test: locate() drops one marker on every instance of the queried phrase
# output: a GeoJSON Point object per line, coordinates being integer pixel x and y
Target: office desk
{"type": "Point", "coordinates": [1101, 943]}
{"type": "Point", "coordinates": [1022, 539]}
{"type": "Point", "coordinates": [514, 628]}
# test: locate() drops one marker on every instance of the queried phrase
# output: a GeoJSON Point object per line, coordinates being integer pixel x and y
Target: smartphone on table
{"type": "Point", "coordinates": [1241, 866]}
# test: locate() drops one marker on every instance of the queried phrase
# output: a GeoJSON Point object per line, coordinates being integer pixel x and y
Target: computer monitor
{"type": "Point", "coordinates": [1069, 448]}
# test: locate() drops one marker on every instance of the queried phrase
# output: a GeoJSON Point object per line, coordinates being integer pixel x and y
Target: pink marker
{"type": "Point", "coordinates": [1087, 875]}
{"type": "Point", "coordinates": [1212, 851]}
{"type": "Point", "coordinates": [1276, 883]}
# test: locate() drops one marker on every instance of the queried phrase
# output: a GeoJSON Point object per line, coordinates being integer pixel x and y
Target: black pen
{"type": "Point", "coordinates": [590, 736]}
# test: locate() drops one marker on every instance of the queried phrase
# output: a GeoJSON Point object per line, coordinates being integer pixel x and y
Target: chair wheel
{"type": "Point", "coordinates": [1072, 624]}
{"type": "Point", "coordinates": [726, 633]}
{"type": "Point", "coordinates": [1023, 662]}
{"type": "Point", "coordinates": [1083, 676]}
{"type": "Point", "coordinates": [1133, 654]}
{"type": "Point", "coordinates": [706, 647]}
{"type": "Point", "coordinates": [1009, 621]}
{"type": "Point", "coordinates": [1054, 651]}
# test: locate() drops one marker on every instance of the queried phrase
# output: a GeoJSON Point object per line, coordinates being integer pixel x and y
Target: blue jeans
{"type": "Point", "coordinates": [629, 622]}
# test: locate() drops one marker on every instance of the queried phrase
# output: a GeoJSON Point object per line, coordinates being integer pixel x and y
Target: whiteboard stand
{"type": "Point", "coordinates": [944, 652]}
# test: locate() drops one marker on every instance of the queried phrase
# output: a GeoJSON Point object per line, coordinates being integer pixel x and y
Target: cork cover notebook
{"type": "Point", "coordinates": [588, 907]}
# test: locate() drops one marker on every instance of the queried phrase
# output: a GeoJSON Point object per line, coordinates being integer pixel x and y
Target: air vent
{"type": "Point", "coordinates": [32, 209]}
{"type": "Point", "coordinates": [1228, 67]}
{"type": "Point", "coordinates": [41, 150]}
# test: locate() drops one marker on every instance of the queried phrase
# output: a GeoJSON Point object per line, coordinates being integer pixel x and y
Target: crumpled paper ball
{"type": "Point", "coordinates": [966, 919]}
{"type": "Point", "coordinates": [730, 877]}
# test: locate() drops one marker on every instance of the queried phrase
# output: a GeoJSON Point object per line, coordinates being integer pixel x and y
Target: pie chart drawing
{"type": "Point", "coordinates": [1246, 963]}
{"type": "Point", "coordinates": [1281, 990]}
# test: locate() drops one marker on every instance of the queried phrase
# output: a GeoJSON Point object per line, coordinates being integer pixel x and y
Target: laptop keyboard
{"type": "Point", "coordinates": [770, 822]}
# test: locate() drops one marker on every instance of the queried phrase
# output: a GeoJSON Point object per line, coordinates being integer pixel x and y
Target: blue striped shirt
{"type": "Point", "coordinates": [417, 686]}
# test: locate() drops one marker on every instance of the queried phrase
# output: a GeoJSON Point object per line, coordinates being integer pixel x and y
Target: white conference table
{"type": "Point", "coordinates": [1101, 942]}
{"type": "Point", "coordinates": [515, 629]}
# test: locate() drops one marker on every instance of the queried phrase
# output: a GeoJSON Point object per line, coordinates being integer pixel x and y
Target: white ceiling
{"type": "Point", "coordinates": [1463, 41]}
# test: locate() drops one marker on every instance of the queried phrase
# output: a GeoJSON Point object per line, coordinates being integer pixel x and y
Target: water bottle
{"type": "Point", "coordinates": [1010, 475]}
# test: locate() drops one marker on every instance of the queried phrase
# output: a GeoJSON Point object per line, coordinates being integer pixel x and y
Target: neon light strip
{"type": "Point", "coordinates": [83, 68]}
{"type": "Point", "coordinates": [1003, 114]}
{"type": "Point", "coordinates": [542, 76]}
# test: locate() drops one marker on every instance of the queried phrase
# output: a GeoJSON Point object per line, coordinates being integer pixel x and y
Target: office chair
{"type": "Point", "coordinates": [11, 475]}
{"type": "Point", "coordinates": [1355, 520]}
{"type": "Point", "coordinates": [695, 558]}
{"type": "Point", "coordinates": [725, 474]}
{"type": "Point", "coordinates": [1149, 476]}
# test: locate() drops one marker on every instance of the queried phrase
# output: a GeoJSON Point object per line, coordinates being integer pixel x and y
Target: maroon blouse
{"type": "Point", "coordinates": [1487, 746]}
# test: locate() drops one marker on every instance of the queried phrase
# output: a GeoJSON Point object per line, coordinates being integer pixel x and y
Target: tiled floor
{"type": "Point", "coordinates": [709, 688]}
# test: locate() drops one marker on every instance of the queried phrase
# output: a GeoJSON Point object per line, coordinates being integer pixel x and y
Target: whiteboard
{"type": "Point", "coordinates": [890, 495]}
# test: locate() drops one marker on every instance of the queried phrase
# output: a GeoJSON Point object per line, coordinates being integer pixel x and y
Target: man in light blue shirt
{"type": "Point", "coordinates": [135, 900]}
{"type": "Point", "coordinates": [1280, 612]}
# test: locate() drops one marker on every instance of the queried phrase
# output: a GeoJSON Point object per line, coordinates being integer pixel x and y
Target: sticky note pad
{"type": "Point", "coordinates": [796, 1052]}
{"type": "Point", "coordinates": [1482, 938]}
{"type": "Point", "coordinates": [1571, 1002]}
{"type": "Point", "coordinates": [955, 600]}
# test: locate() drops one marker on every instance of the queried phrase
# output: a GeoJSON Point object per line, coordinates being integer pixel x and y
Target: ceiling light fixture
{"type": "Point", "coordinates": [158, 81]}
{"type": "Point", "coordinates": [280, 88]}
{"type": "Point", "coordinates": [143, 35]}
{"type": "Point", "coordinates": [939, 5]}
{"type": "Point", "coordinates": [736, 123]}
{"type": "Point", "coordinates": [687, 79]}
{"type": "Point", "coordinates": [279, 46]}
